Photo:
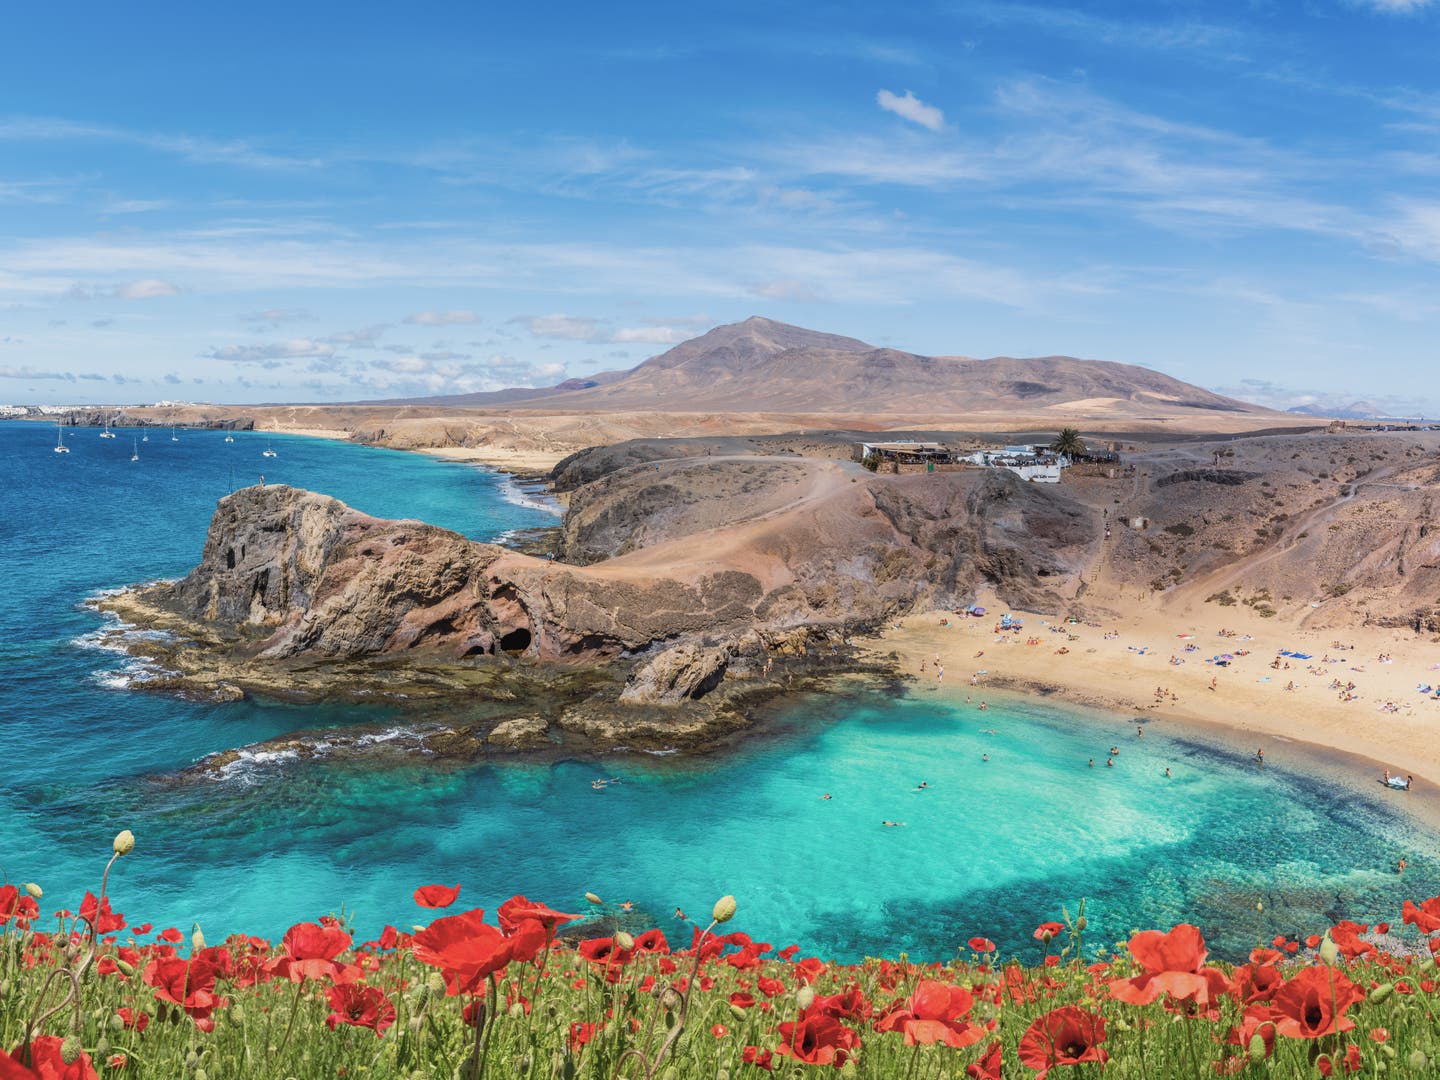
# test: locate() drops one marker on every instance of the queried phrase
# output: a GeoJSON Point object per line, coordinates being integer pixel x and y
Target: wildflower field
{"type": "Point", "coordinates": [87, 994]}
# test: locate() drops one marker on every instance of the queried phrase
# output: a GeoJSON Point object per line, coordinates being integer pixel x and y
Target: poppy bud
{"type": "Point", "coordinates": [737, 1012]}
{"type": "Point", "coordinates": [1417, 1060]}
{"type": "Point", "coordinates": [1381, 992]}
{"type": "Point", "coordinates": [71, 1049]}
{"type": "Point", "coordinates": [192, 1060]}
{"type": "Point", "coordinates": [624, 940]}
{"type": "Point", "coordinates": [1081, 923]}
{"type": "Point", "coordinates": [124, 842]}
{"type": "Point", "coordinates": [417, 928]}
{"type": "Point", "coordinates": [1257, 1047]}
{"type": "Point", "coordinates": [1329, 951]}
{"type": "Point", "coordinates": [102, 1046]}
{"type": "Point", "coordinates": [34, 890]}
{"type": "Point", "coordinates": [593, 898]}
{"type": "Point", "coordinates": [517, 1010]}
{"type": "Point", "coordinates": [116, 1024]}
{"type": "Point", "coordinates": [127, 969]}
{"type": "Point", "coordinates": [237, 1014]}
{"type": "Point", "coordinates": [201, 1074]}
{"type": "Point", "coordinates": [197, 939]}
{"type": "Point", "coordinates": [804, 997]}
{"type": "Point", "coordinates": [436, 983]}
{"type": "Point", "coordinates": [669, 999]}
{"type": "Point", "coordinates": [724, 909]}
{"type": "Point", "coordinates": [1428, 966]}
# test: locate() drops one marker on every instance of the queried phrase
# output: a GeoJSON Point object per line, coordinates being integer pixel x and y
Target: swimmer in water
{"type": "Point", "coordinates": [826, 795]}
{"type": "Point", "coordinates": [892, 824]}
{"type": "Point", "coordinates": [1110, 763]}
{"type": "Point", "coordinates": [922, 785]}
{"type": "Point", "coordinates": [628, 905]}
{"type": "Point", "coordinates": [1167, 772]}
{"type": "Point", "coordinates": [1092, 763]}
{"type": "Point", "coordinates": [984, 757]}
{"type": "Point", "coordinates": [983, 706]}
{"type": "Point", "coordinates": [681, 915]}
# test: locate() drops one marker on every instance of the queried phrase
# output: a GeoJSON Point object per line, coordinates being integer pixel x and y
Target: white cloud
{"type": "Point", "coordinates": [31, 373]}
{"type": "Point", "coordinates": [364, 338]}
{"type": "Point", "coordinates": [1396, 7]}
{"type": "Point", "coordinates": [442, 318]}
{"type": "Point", "coordinates": [560, 327]}
{"type": "Point", "coordinates": [911, 108]}
{"type": "Point", "coordinates": [650, 335]}
{"type": "Point", "coordinates": [276, 316]}
{"type": "Point", "coordinates": [273, 351]}
{"type": "Point", "coordinates": [146, 289]}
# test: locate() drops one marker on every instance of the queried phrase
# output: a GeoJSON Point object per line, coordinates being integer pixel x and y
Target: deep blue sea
{"type": "Point", "coordinates": [987, 848]}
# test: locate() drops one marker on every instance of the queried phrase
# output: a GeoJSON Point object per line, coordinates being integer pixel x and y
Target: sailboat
{"type": "Point", "coordinates": [173, 436]}
{"type": "Point", "coordinates": [229, 438]}
{"type": "Point", "coordinates": [107, 433]}
{"type": "Point", "coordinates": [269, 452]}
{"type": "Point", "coordinates": [135, 454]}
{"type": "Point", "coordinates": [60, 447]}
{"type": "Point", "coordinates": [144, 438]}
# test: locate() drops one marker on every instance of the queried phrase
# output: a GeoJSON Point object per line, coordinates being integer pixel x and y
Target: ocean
{"type": "Point", "coordinates": [986, 848]}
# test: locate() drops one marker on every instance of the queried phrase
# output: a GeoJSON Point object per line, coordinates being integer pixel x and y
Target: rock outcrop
{"type": "Point", "coordinates": [679, 673]}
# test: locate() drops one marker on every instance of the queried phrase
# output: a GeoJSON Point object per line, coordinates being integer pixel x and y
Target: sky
{"type": "Point", "coordinates": [322, 202]}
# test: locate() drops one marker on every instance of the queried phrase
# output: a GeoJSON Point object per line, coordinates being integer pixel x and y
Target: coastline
{"type": "Point", "coordinates": [1349, 743]}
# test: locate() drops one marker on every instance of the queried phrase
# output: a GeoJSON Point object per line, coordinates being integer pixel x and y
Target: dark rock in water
{"type": "Point", "coordinates": [520, 733]}
{"type": "Point", "coordinates": [228, 692]}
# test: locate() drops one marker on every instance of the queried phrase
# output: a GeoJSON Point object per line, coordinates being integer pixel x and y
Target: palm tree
{"type": "Point", "coordinates": [1068, 442]}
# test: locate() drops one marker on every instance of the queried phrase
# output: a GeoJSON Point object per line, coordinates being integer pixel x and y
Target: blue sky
{"type": "Point", "coordinates": [337, 201]}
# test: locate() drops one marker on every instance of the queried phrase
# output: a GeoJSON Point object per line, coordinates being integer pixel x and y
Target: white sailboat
{"type": "Point", "coordinates": [135, 453]}
{"type": "Point", "coordinates": [173, 436]}
{"type": "Point", "coordinates": [107, 433]}
{"type": "Point", "coordinates": [60, 447]}
{"type": "Point", "coordinates": [269, 452]}
{"type": "Point", "coordinates": [229, 438]}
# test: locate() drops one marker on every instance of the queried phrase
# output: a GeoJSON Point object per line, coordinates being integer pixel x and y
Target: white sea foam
{"type": "Point", "coordinates": [513, 493]}
{"type": "Point", "coordinates": [249, 765]}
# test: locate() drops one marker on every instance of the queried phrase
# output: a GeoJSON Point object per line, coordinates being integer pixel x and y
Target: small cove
{"type": "Point", "coordinates": [987, 848]}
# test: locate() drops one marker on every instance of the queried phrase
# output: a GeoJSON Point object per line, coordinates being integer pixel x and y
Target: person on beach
{"type": "Point", "coordinates": [1408, 781]}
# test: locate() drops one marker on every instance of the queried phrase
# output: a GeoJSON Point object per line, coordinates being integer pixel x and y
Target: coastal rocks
{"type": "Point", "coordinates": [225, 691]}
{"type": "Point", "coordinates": [679, 673]}
{"type": "Point", "coordinates": [520, 733]}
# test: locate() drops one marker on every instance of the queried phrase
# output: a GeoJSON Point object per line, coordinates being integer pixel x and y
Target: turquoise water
{"type": "Point", "coordinates": [989, 848]}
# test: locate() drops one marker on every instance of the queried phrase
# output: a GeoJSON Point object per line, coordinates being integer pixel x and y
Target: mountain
{"type": "Point", "coordinates": [760, 365]}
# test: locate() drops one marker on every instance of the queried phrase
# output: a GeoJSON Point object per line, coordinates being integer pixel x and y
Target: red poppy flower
{"type": "Point", "coordinates": [9, 901]}
{"type": "Point", "coordinates": [1173, 964]}
{"type": "Point", "coordinates": [518, 909]}
{"type": "Point", "coordinates": [988, 1067]}
{"type": "Point", "coordinates": [310, 951]}
{"type": "Point", "coordinates": [1426, 917]}
{"type": "Point", "coordinates": [604, 950]}
{"type": "Point", "coordinates": [46, 1062]}
{"type": "Point", "coordinates": [935, 1012]}
{"type": "Point", "coordinates": [465, 948]}
{"type": "Point", "coordinates": [981, 945]}
{"type": "Point", "coordinates": [769, 987]}
{"type": "Point", "coordinates": [189, 984]}
{"type": "Point", "coordinates": [1346, 936]}
{"type": "Point", "coordinates": [759, 1057]}
{"type": "Point", "coordinates": [580, 1034]}
{"type": "Point", "coordinates": [1065, 1036]}
{"type": "Point", "coordinates": [652, 941]}
{"type": "Point", "coordinates": [98, 914]}
{"type": "Point", "coordinates": [817, 1039]}
{"type": "Point", "coordinates": [436, 896]}
{"type": "Point", "coordinates": [1313, 1003]}
{"type": "Point", "coordinates": [1047, 930]}
{"type": "Point", "coordinates": [360, 1005]}
{"type": "Point", "coordinates": [171, 935]}
{"type": "Point", "coordinates": [742, 1001]}
{"type": "Point", "coordinates": [1256, 982]}
{"type": "Point", "coordinates": [136, 1021]}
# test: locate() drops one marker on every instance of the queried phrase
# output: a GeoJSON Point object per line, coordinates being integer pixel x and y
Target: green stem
{"type": "Point", "coordinates": [294, 1012]}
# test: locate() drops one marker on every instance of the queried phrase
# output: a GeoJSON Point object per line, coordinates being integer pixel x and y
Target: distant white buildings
{"type": "Point", "coordinates": [1033, 463]}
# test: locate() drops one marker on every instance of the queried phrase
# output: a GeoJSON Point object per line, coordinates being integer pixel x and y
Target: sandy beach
{"type": "Point", "coordinates": [1174, 671]}
{"type": "Point", "coordinates": [501, 457]}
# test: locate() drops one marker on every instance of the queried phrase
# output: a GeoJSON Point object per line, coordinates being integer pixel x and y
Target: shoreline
{"type": "Point", "coordinates": [1112, 671]}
